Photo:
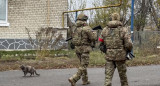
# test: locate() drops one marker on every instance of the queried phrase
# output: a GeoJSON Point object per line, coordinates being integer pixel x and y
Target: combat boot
{"type": "Point", "coordinates": [85, 79]}
{"type": "Point", "coordinates": [72, 82]}
{"type": "Point", "coordinates": [86, 82]}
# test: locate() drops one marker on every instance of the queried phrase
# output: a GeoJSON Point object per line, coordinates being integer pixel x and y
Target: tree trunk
{"type": "Point", "coordinates": [153, 13]}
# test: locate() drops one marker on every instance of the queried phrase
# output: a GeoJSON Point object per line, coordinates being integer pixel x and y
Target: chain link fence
{"type": "Point", "coordinates": [146, 42]}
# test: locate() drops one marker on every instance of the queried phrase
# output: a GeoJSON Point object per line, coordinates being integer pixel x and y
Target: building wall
{"type": "Point", "coordinates": [32, 14]}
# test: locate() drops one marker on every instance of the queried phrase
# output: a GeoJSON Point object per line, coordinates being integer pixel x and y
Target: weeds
{"type": "Point", "coordinates": [97, 58]}
{"type": "Point", "coordinates": [70, 60]}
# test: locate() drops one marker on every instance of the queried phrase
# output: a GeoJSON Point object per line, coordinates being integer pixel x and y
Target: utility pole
{"type": "Point", "coordinates": [132, 19]}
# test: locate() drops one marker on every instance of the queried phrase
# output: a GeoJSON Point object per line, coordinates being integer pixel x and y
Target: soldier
{"type": "Point", "coordinates": [117, 41]}
{"type": "Point", "coordinates": [82, 38]}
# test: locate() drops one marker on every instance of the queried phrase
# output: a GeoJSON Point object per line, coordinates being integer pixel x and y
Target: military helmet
{"type": "Point", "coordinates": [115, 16]}
{"type": "Point", "coordinates": [82, 17]}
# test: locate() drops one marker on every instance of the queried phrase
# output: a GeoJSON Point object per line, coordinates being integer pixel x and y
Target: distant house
{"type": "Point", "coordinates": [15, 15]}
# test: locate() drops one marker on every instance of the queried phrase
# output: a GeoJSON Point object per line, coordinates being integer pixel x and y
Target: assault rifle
{"type": "Point", "coordinates": [69, 39]}
{"type": "Point", "coordinates": [95, 28]}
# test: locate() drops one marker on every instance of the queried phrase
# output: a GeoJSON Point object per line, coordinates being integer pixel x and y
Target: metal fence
{"type": "Point", "coordinates": [147, 41]}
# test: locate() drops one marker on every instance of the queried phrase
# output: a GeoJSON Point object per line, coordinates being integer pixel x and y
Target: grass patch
{"type": "Point", "coordinates": [9, 58]}
{"type": "Point", "coordinates": [97, 59]}
{"type": "Point", "coordinates": [144, 60]}
{"type": "Point", "coordinates": [47, 63]}
{"type": "Point", "coordinates": [144, 57]}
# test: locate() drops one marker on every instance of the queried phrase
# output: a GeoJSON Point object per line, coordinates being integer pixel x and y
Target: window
{"type": "Point", "coordinates": [3, 13]}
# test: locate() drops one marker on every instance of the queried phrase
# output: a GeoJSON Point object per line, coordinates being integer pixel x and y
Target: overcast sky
{"type": "Point", "coordinates": [75, 5]}
{"type": "Point", "coordinates": [89, 3]}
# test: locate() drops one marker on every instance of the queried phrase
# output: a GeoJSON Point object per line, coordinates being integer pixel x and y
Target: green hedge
{"type": "Point", "coordinates": [27, 53]}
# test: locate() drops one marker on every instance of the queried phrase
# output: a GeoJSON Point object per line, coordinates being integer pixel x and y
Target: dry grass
{"type": "Point", "coordinates": [145, 60]}
{"type": "Point", "coordinates": [97, 59]}
{"type": "Point", "coordinates": [47, 63]}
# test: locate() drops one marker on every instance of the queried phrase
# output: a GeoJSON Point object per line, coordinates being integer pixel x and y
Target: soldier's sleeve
{"type": "Point", "coordinates": [127, 40]}
{"type": "Point", "coordinates": [91, 34]}
{"type": "Point", "coordinates": [101, 37]}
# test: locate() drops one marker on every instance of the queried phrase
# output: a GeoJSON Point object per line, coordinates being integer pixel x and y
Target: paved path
{"type": "Point", "coordinates": [138, 76]}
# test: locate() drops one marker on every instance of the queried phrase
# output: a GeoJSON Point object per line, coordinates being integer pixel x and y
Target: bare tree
{"type": "Point", "coordinates": [46, 40]}
{"type": "Point", "coordinates": [154, 14]}
{"type": "Point", "coordinates": [142, 9]}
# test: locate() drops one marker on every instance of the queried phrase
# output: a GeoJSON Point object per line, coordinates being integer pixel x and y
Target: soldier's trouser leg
{"type": "Point", "coordinates": [82, 70]}
{"type": "Point", "coordinates": [121, 66]}
{"type": "Point", "coordinates": [77, 76]}
{"type": "Point", "coordinates": [84, 64]}
{"type": "Point", "coordinates": [109, 71]}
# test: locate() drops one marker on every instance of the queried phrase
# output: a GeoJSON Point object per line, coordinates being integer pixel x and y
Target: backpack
{"type": "Point", "coordinates": [114, 38]}
{"type": "Point", "coordinates": [114, 41]}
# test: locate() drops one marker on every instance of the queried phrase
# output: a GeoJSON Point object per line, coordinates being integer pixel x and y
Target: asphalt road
{"type": "Point", "coordinates": [137, 76]}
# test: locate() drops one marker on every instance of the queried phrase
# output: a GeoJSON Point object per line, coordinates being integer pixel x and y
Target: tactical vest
{"type": "Point", "coordinates": [80, 37]}
{"type": "Point", "coordinates": [114, 39]}
{"type": "Point", "coordinates": [114, 44]}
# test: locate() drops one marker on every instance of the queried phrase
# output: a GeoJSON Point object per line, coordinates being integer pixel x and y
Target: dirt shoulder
{"type": "Point", "coordinates": [65, 62]}
{"type": "Point", "coordinates": [47, 63]}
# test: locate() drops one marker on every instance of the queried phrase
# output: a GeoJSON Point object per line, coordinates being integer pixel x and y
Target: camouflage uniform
{"type": "Point", "coordinates": [82, 38]}
{"type": "Point", "coordinates": [118, 42]}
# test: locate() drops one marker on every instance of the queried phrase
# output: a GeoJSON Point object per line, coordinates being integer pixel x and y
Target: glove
{"type": "Point", "coordinates": [103, 48]}
{"type": "Point", "coordinates": [72, 45]}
